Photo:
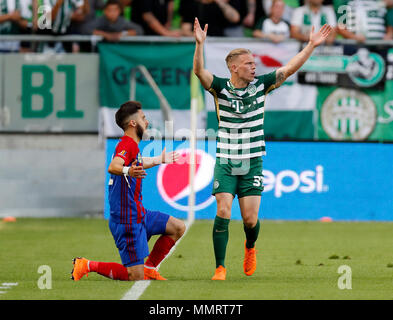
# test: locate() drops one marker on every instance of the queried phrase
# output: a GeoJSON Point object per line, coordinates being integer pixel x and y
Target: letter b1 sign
{"type": "Point", "coordinates": [50, 93]}
{"type": "Point", "coordinates": [44, 90]}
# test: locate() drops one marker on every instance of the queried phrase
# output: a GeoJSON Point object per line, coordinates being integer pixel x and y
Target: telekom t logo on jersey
{"type": "Point", "coordinates": [237, 105]}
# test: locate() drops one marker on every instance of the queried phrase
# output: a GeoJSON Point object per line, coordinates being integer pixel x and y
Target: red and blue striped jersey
{"type": "Point", "coordinates": [125, 192]}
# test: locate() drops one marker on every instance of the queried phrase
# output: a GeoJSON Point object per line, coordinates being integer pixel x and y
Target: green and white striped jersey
{"type": "Point", "coordinates": [305, 18]}
{"type": "Point", "coordinates": [367, 17]}
{"type": "Point", "coordinates": [9, 27]}
{"type": "Point", "coordinates": [6, 7]}
{"type": "Point", "coordinates": [63, 17]}
{"type": "Point", "coordinates": [240, 114]}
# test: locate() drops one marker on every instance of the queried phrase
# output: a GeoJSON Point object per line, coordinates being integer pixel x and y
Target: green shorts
{"type": "Point", "coordinates": [238, 177]}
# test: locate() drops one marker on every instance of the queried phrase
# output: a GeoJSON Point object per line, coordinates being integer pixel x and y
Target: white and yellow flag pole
{"type": "Point", "coordinates": [197, 104]}
{"type": "Point", "coordinates": [191, 198]}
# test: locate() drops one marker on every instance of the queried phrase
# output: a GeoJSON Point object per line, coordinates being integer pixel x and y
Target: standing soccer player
{"type": "Point", "coordinates": [130, 223]}
{"type": "Point", "coordinates": [240, 141]}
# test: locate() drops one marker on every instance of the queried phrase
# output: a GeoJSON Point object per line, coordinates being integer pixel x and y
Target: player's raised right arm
{"type": "Point", "coordinates": [205, 77]}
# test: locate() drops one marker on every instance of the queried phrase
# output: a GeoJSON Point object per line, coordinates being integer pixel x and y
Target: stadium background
{"type": "Point", "coordinates": [57, 130]}
{"type": "Point", "coordinates": [329, 158]}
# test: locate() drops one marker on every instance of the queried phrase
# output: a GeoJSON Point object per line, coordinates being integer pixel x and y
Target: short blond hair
{"type": "Point", "coordinates": [234, 54]}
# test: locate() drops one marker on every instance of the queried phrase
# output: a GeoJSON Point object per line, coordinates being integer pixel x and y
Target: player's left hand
{"type": "Point", "coordinates": [199, 34]}
{"type": "Point", "coordinates": [317, 38]}
{"type": "Point", "coordinates": [169, 157]}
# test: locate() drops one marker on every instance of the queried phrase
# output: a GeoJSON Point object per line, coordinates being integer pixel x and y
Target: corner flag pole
{"type": "Point", "coordinates": [191, 198]}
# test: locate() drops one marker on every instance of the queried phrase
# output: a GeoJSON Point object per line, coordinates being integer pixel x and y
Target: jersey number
{"type": "Point", "coordinates": [257, 181]}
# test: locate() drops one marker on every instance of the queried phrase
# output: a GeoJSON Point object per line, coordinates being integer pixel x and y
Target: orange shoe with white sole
{"type": "Point", "coordinates": [250, 260]}
{"type": "Point", "coordinates": [220, 273]}
{"type": "Point", "coordinates": [80, 269]}
{"type": "Point", "coordinates": [152, 274]}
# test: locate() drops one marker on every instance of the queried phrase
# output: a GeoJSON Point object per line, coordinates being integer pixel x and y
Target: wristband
{"type": "Point", "coordinates": [125, 170]}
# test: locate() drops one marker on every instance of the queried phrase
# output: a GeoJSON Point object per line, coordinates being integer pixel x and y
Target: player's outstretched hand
{"type": "Point", "coordinates": [137, 171]}
{"type": "Point", "coordinates": [317, 38]}
{"type": "Point", "coordinates": [169, 157]}
{"type": "Point", "coordinates": [199, 34]}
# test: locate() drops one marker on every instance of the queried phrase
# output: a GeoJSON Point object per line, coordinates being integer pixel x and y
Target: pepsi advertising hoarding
{"type": "Point", "coordinates": [302, 181]}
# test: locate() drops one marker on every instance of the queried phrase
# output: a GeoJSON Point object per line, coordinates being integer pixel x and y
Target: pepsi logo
{"type": "Point", "coordinates": [173, 180]}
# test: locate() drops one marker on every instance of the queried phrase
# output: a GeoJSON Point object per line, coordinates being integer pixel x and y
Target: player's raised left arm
{"type": "Point", "coordinates": [297, 61]}
{"type": "Point", "coordinates": [204, 75]}
{"type": "Point", "coordinates": [164, 157]}
{"type": "Point", "coordinates": [117, 167]}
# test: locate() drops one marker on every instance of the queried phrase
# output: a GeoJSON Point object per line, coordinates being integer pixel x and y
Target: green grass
{"type": "Point", "coordinates": [296, 260]}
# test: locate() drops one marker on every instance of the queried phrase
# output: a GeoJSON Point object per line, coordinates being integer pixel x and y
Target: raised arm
{"type": "Point", "coordinates": [117, 167]}
{"type": "Point", "coordinates": [297, 61]}
{"type": "Point", "coordinates": [205, 77]}
{"type": "Point", "coordinates": [164, 157]}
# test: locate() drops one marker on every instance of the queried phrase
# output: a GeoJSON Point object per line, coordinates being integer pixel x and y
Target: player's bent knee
{"type": "Point", "coordinates": [175, 228]}
{"type": "Point", "coordinates": [180, 228]}
{"type": "Point", "coordinates": [136, 273]}
{"type": "Point", "coordinates": [135, 277]}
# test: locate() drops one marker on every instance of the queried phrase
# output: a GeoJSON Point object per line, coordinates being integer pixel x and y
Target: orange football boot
{"type": "Point", "coordinates": [250, 260]}
{"type": "Point", "coordinates": [152, 274]}
{"type": "Point", "coordinates": [80, 268]}
{"type": "Point", "coordinates": [220, 273]}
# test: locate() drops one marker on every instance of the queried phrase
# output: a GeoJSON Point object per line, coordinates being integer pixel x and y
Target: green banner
{"type": "Point", "coordinates": [170, 65]}
{"type": "Point", "coordinates": [353, 115]}
{"type": "Point", "coordinates": [289, 125]}
{"type": "Point", "coordinates": [347, 66]}
{"type": "Point", "coordinates": [342, 110]}
{"type": "Point", "coordinates": [354, 112]}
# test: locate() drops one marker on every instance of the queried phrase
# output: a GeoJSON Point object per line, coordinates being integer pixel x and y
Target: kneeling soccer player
{"type": "Point", "coordinates": [130, 223]}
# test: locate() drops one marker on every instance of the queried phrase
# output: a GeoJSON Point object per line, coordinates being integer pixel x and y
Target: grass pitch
{"type": "Point", "coordinates": [296, 260]}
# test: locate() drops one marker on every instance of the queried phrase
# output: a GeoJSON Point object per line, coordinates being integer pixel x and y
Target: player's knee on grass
{"type": "Point", "coordinates": [136, 273]}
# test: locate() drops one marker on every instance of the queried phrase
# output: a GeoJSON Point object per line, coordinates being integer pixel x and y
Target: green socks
{"type": "Point", "coordinates": [220, 239]}
{"type": "Point", "coordinates": [221, 235]}
{"type": "Point", "coordinates": [251, 235]}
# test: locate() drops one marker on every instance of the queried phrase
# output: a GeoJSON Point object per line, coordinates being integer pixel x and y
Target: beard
{"type": "Point", "coordinates": [139, 131]}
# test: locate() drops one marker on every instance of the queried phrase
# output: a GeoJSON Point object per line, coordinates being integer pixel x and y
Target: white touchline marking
{"type": "Point", "coordinates": [7, 286]}
{"type": "Point", "coordinates": [136, 290]}
{"type": "Point", "coordinates": [140, 286]}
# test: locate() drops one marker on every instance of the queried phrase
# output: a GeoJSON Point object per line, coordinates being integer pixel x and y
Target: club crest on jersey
{"type": "Point", "coordinates": [251, 89]}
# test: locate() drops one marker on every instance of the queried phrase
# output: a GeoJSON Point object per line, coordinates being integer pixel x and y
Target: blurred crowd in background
{"type": "Point", "coordinates": [273, 20]}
